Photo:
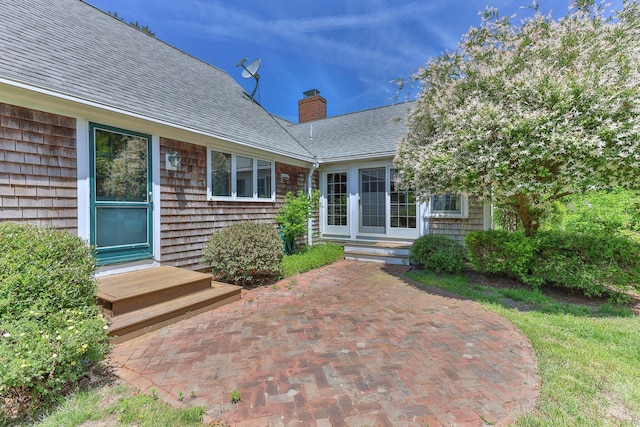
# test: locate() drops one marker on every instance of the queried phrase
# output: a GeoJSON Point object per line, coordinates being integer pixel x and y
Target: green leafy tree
{"type": "Point", "coordinates": [526, 114]}
{"type": "Point", "coordinates": [293, 216]}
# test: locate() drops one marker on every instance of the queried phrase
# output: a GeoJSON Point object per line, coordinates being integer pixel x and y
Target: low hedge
{"type": "Point", "coordinates": [244, 253]}
{"type": "Point", "coordinates": [51, 330]}
{"type": "Point", "coordinates": [438, 253]}
{"type": "Point", "coordinates": [592, 263]}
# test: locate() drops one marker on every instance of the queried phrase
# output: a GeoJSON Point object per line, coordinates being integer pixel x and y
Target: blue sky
{"type": "Point", "coordinates": [350, 50]}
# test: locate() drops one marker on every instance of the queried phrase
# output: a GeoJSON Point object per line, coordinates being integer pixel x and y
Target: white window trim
{"type": "Point", "coordinates": [464, 209]}
{"type": "Point", "coordinates": [234, 190]}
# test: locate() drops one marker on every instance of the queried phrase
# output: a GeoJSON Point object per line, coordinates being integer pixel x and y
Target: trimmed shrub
{"type": "Point", "coordinates": [501, 252]}
{"type": "Point", "coordinates": [438, 253]}
{"type": "Point", "coordinates": [51, 329]}
{"type": "Point", "coordinates": [244, 253]}
{"type": "Point", "coordinates": [592, 263]}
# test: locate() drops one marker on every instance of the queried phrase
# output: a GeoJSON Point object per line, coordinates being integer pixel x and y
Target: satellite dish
{"type": "Point", "coordinates": [251, 70]}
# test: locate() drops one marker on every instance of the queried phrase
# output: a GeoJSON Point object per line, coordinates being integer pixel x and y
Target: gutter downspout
{"type": "Point", "coordinates": [312, 170]}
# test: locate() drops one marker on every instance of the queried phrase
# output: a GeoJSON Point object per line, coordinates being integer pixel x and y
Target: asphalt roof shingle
{"type": "Point", "coordinates": [364, 134]}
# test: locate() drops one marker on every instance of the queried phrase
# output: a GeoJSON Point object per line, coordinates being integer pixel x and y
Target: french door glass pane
{"type": "Point", "coordinates": [403, 206]}
{"type": "Point", "coordinates": [337, 199]}
{"type": "Point", "coordinates": [373, 197]}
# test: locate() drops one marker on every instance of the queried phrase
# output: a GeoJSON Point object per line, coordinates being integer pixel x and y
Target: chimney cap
{"type": "Point", "coordinates": [310, 93]}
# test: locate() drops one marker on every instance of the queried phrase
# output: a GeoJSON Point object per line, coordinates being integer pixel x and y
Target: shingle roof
{"type": "Point", "coordinates": [74, 49]}
{"type": "Point", "coordinates": [365, 134]}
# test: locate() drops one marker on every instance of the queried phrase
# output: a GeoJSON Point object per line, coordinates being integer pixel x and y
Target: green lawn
{"type": "Point", "coordinates": [588, 359]}
{"type": "Point", "coordinates": [120, 405]}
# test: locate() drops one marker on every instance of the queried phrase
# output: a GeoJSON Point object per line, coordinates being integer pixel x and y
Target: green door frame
{"type": "Point", "coordinates": [123, 215]}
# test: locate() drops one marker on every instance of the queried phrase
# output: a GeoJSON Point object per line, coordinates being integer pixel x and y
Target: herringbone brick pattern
{"type": "Point", "coordinates": [350, 344]}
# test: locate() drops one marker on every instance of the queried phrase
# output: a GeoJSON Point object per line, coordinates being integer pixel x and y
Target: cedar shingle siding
{"type": "Point", "coordinates": [188, 218]}
{"type": "Point", "coordinates": [457, 228]}
{"type": "Point", "coordinates": [38, 182]}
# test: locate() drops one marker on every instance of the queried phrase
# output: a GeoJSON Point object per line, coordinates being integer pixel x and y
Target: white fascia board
{"type": "Point", "coordinates": [357, 157]}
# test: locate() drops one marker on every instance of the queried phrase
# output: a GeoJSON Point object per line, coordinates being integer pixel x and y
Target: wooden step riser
{"type": "Point", "coordinates": [157, 296]}
{"type": "Point", "coordinates": [172, 316]}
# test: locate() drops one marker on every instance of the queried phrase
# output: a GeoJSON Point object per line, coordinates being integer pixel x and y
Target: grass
{"type": "Point", "coordinates": [311, 257]}
{"type": "Point", "coordinates": [588, 358]}
{"type": "Point", "coordinates": [120, 405]}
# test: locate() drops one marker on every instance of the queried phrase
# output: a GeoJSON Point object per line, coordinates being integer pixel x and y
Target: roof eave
{"type": "Point", "coordinates": [133, 114]}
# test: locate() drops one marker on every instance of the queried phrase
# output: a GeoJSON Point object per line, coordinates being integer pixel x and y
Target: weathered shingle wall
{"type": "Point", "coordinates": [38, 179]}
{"type": "Point", "coordinates": [457, 228]}
{"type": "Point", "coordinates": [188, 218]}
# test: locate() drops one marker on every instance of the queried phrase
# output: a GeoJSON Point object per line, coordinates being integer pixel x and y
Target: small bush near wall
{"type": "Point", "coordinates": [51, 330]}
{"type": "Point", "coordinates": [594, 264]}
{"type": "Point", "coordinates": [293, 217]}
{"type": "Point", "coordinates": [501, 252]}
{"type": "Point", "coordinates": [438, 253]}
{"type": "Point", "coordinates": [244, 253]}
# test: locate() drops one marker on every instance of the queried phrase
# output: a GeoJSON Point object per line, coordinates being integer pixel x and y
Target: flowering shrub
{"type": "Point", "coordinates": [51, 330]}
{"type": "Point", "coordinates": [528, 114]}
{"type": "Point", "coordinates": [438, 253]}
{"type": "Point", "coordinates": [244, 253]}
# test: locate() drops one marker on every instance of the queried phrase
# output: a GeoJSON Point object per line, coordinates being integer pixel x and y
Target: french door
{"type": "Point", "coordinates": [337, 204]}
{"type": "Point", "coordinates": [373, 197]}
{"type": "Point", "coordinates": [121, 203]}
{"type": "Point", "coordinates": [384, 209]}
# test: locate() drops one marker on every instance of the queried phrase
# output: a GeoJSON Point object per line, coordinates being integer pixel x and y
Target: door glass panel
{"type": "Point", "coordinates": [372, 200]}
{"type": "Point", "coordinates": [121, 226]}
{"type": "Point", "coordinates": [337, 199]}
{"type": "Point", "coordinates": [121, 167]}
{"type": "Point", "coordinates": [403, 206]}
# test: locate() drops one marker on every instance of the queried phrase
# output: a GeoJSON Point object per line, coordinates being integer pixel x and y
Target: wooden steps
{"type": "Point", "coordinates": [145, 300]}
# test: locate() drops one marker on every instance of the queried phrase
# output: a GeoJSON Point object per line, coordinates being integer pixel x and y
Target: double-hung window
{"type": "Point", "coordinates": [237, 177]}
{"type": "Point", "coordinates": [449, 205]}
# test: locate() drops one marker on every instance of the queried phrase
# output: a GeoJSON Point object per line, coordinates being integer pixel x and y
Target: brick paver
{"type": "Point", "coordinates": [350, 344]}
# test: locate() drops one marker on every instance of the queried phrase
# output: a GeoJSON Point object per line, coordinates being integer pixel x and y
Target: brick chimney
{"type": "Point", "coordinates": [312, 106]}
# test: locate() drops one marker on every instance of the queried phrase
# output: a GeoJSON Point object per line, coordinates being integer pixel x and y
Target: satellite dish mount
{"type": "Point", "coordinates": [251, 70]}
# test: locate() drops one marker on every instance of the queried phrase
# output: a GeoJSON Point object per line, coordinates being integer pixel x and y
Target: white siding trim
{"type": "Point", "coordinates": [83, 173]}
{"type": "Point", "coordinates": [155, 185]}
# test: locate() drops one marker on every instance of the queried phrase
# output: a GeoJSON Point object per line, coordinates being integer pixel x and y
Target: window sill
{"type": "Point", "coordinates": [241, 199]}
{"type": "Point", "coordinates": [447, 215]}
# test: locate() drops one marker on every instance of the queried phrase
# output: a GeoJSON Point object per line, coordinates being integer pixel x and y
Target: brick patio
{"type": "Point", "coordinates": [350, 344]}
